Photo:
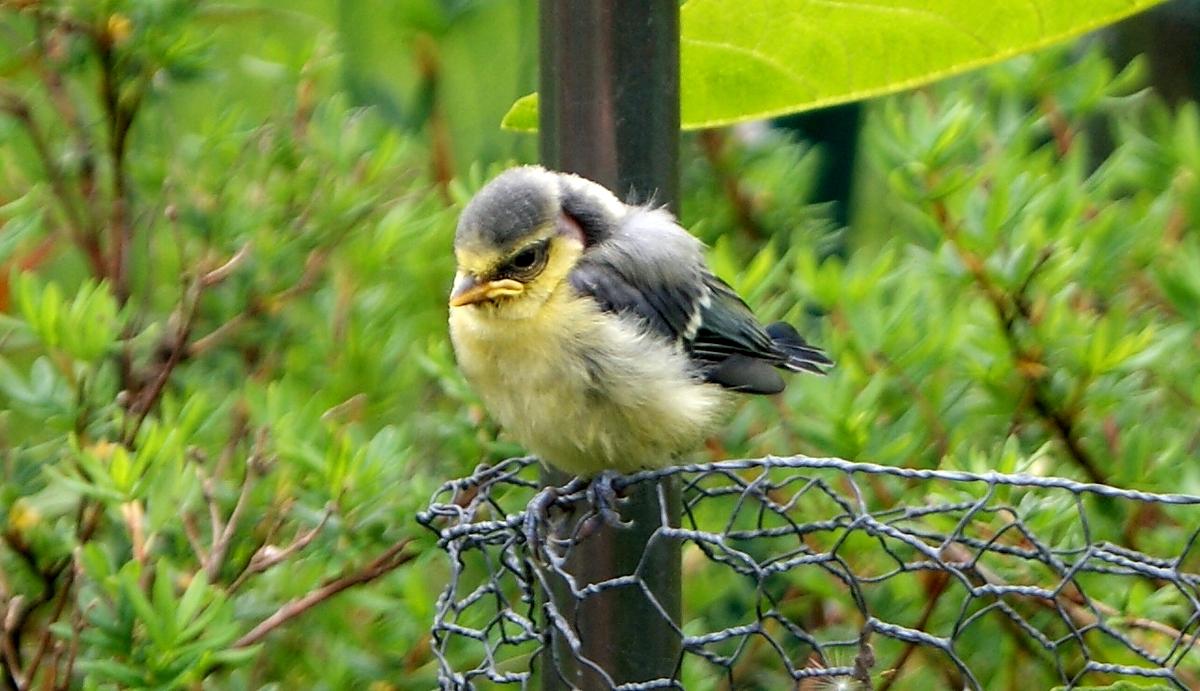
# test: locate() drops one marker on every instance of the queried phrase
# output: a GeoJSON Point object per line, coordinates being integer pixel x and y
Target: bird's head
{"type": "Point", "coordinates": [517, 240]}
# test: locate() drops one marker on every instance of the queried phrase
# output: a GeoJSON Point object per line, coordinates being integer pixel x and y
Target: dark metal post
{"type": "Point", "coordinates": [609, 109]}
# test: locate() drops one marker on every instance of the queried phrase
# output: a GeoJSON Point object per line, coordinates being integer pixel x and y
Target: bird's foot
{"type": "Point", "coordinates": [603, 497]}
{"type": "Point", "coordinates": [536, 522]}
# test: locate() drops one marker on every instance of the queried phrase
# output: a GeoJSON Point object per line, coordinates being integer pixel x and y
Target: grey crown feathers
{"type": "Point", "coordinates": [638, 262]}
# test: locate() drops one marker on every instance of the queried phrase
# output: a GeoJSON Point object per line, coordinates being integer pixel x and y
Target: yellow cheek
{"type": "Point", "coordinates": [564, 254]}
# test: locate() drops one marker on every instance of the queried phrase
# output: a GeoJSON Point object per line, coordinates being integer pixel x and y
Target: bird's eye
{"type": "Point", "coordinates": [526, 259]}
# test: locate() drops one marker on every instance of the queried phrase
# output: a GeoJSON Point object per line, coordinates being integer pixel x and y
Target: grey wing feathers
{"type": "Point", "coordinates": [801, 356]}
{"type": "Point", "coordinates": [666, 309]}
{"type": "Point", "coordinates": [655, 271]}
{"type": "Point", "coordinates": [741, 352]}
{"type": "Point", "coordinates": [650, 268]}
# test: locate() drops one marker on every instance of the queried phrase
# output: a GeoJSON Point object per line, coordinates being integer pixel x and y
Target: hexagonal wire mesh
{"type": "Point", "coordinates": [812, 582]}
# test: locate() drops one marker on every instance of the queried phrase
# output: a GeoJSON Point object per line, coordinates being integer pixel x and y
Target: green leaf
{"type": "Point", "coordinates": [16, 230]}
{"type": "Point", "coordinates": [95, 562]}
{"type": "Point", "coordinates": [163, 598]}
{"type": "Point", "coordinates": [749, 59]}
{"type": "Point", "coordinates": [523, 115]}
{"type": "Point", "coordinates": [132, 591]}
{"type": "Point", "coordinates": [236, 656]}
{"type": "Point", "coordinates": [192, 599]}
{"type": "Point", "coordinates": [110, 670]}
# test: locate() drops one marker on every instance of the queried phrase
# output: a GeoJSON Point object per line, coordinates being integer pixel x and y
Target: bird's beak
{"type": "Point", "coordinates": [468, 290]}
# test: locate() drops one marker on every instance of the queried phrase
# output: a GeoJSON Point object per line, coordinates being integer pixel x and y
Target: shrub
{"type": "Point", "coordinates": [226, 385]}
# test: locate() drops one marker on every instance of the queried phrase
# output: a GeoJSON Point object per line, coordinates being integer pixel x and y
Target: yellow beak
{"type": "Point", "coordinates": [469, 291]}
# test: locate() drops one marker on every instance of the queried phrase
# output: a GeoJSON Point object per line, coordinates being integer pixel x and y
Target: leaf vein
{"type": "Point", "coordinates": [767, 60]}
{"type": "Point", "coordinates": [909, 11]}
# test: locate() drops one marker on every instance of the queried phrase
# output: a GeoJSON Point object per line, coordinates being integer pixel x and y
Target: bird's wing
{"type": "Point", "coordinates": [657, 278]}
{"type": "Point", "coordinates": [655, 271]}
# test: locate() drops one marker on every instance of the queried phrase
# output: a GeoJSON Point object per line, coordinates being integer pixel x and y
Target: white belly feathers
{"type": "Point", "coordinates": [579, 398]}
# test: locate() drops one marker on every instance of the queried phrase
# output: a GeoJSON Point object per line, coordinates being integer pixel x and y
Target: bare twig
{"type": "Point", "coordinates": [313, 266]}
{"type": "Point", "coordinates": [442, 159]}
{"type": "Point", "coordinates": [268, 556]}
{"type": "Point", "coordinates": [223, 537]}
{"type": "Point", "coordinates": [10, 624]}
{"type": "Point", "coordinates": [16, 107]}
{"type": "Point", "coordinates": [192, 532]}
{"type": "Point", "coordinates": [177, 347]}
{"type": "Point", "coordinates": [77, 622]}
{"type": "Point", "coordinates": [392, 558]}
{"type": "Point", "coordinates": [64, 591]}
{"type": "Point", "coordinates": [240, 428]}
{"type": "Point", "coordinates": [937, 588]}
{"type": "Point", "coordinates": [142, 405]}
{"type": "Point", "coordinates": [225, 270]}
{"type": "Point", "coordinates": [712, 143]}
{"type": "Point", "coordinates": [1010, 310]}
{"type": "Point", "coordinates": [217, 336]}
{"type": "Point", "coordinates": [121, 100]}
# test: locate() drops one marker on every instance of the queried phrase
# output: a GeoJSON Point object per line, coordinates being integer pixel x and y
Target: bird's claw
{"type": "Point", "coordinates": [603, 497]}
{"type": "Point", "coordinates": [535, 525]}
{"type": "Point", "coordinates": [537, 518]}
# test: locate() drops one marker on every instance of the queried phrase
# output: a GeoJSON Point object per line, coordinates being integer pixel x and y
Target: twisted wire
{"type": "Point", "coordinates": [1045, 566]}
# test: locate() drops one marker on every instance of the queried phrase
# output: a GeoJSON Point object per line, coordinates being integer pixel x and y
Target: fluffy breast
{"type": "Point", "coordinates": [585, 391]}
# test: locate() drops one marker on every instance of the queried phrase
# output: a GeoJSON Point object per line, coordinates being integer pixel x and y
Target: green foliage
{"type": "Point", "coordinates": [1015, 294]}
{"type": "Point", "coordinates": [226, 388]}
{"type": "Point", "coordinates": [743, 60]}
{"type": "Point", "coordinates": [422, 62]}
{"type": "Point", "coordinates": [83, 329]}
{"type": "Point", "coordinates": [1119, 686]}
{"type": "Point", "coordinates": [171, 637]}
{"type": "Point", "coordinates": [215, 310]}
{"type": "Point", "coordinates": [1017, 297]}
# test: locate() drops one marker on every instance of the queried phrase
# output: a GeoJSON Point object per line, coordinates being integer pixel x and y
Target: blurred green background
{"type": "Point", "coordinates": [225, 378]}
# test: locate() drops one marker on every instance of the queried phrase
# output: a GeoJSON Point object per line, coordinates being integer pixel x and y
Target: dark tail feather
{"type": "Point", "coordinates": [800, 355]}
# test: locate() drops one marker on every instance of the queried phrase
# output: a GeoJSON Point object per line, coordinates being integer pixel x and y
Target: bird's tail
{"type": "Point", "coordinates": [800, 355]}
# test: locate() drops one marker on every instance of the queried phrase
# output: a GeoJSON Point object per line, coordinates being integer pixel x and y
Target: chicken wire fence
{"type": "Point", "coordinates": [811, 573]}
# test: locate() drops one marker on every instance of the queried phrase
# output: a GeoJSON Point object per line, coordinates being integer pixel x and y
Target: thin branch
{"type": "Point", "coordinates": [215, 523]}
{"type": "Point", "coordinates": [936, 589]}
{"type": "Point", "coordinates": [272, 304]}
{"type": "Point", "coordinates": [240, 428]}
{"type": "Point", "coordinates": [184, 318]}
{"type": "Point", "coordinates": [442, 149]}
{"type": "Point", "coordinates": [268, 556]}
{"type": "Point", "coordinates": [391, 559]}
{"type": "Point", "coordinates": [1060, 127]}
{"type": "Point", "coordinates": [120, 110]}
{"type": "Point", "coordinates": [712, 143]}
{"type": "Point", "coordinates": [878, 361]}
{"type": "Point", "coordinates": [9, 625]}
{"type": "Point", "coordinates": [218, 335]}
{"type": "Point", "coordinates": [314, 264]}
{"type": "Point", "coordinates": [225, 270]}
{"type": "Point", "coordinates": [44, 643]}
{"type": "Point", "coordinates": [1009, 310]}
{"type": "Point", "coordinates": [17, 108]}
{"type": "Point", "coordinates": [48, 15]}
{"type": "Point", "coordinates": [223, 538]}
{"type": "Point", "coordinates": [77, 622]}
{"type": "Point", "coordinates": [192, 532]}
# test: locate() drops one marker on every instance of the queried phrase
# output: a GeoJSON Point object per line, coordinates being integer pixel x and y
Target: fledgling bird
{"type": "Point", "coordinates": [594, 331]}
